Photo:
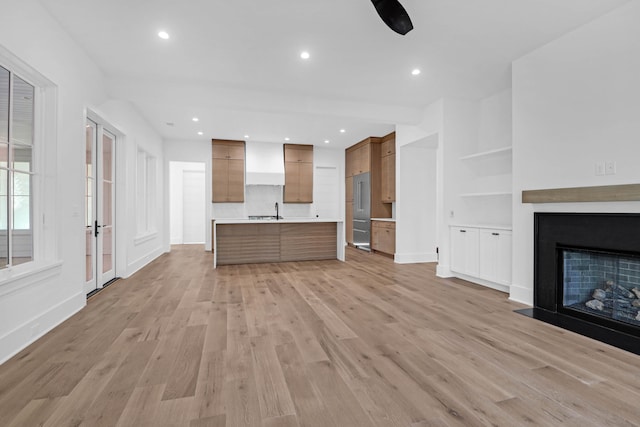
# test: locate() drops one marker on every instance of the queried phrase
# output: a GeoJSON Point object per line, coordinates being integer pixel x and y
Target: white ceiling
{"type": "Point", "coordinates": [235, 64]}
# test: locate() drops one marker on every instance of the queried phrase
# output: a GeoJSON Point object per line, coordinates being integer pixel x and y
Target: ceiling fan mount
{"type": "Point", "coordinates": [394, 15]}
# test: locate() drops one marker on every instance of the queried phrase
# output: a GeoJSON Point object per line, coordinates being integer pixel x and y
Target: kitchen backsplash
{"type": "Point", "coordinates": [261, 200]}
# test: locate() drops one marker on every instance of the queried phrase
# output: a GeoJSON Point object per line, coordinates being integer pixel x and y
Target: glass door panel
{"type": "Point", "coordinates": [89, 208]}
{"type": "Point", "coordinates": [107, 152]}
{"type": "Point", "coordinates": [99, 206]}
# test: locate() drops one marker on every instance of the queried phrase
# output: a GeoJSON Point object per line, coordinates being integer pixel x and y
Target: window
{"type": "Point", "coordinates": [145, 194]}
{"type": "Point", "coordinates": [17, 107]}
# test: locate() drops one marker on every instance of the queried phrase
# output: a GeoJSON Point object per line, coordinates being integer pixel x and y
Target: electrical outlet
{"type": "Point", "coordinates": [451, 214]}
{"type": "Point", "coordinates": [610, 167]}
{"type": "Point", "coordinates": [600, 170]}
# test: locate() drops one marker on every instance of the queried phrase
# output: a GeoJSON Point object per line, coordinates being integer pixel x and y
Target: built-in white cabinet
{"type": "Point", "coordinates": [464, 250]}
{"type": "Point", "coordinates": [483, 253]}
{"type": "Point", "coordinates": [495, 256]}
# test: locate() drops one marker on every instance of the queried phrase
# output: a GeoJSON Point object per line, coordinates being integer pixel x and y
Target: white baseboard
{"type": "Point", "coordinates": [521, 294]}
{"type": "Point", "coordinates": [414, 258]}
{"type": "Point", "coordinates": [487, 283]}
{"type": "Point", "coordinates": [444, 271]}
{"type": "Point", "coordinates": [141, 262]}
{"type": "Point", "coordinates": [27, 333]}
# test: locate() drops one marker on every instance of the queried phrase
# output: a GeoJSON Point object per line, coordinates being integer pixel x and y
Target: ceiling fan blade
{"type": "Point", "coordinates": [394, 15]}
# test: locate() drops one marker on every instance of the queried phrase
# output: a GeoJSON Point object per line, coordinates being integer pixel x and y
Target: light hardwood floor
{"type": "Point", "coordinates": [323, 343]}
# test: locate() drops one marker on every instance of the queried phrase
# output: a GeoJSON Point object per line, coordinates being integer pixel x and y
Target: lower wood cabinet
{"type": "Point", "coordinates": [349, 222]}
{"type": "Point", "coordinates": [275, 242]}
{"type": "Point", "coordinates": [383, 236]}
{"type": "Point", "coordinates": [484, 253]}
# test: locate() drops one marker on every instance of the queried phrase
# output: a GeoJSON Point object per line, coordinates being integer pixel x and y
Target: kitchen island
{"type": "Point", "coordinates": [247, 241]}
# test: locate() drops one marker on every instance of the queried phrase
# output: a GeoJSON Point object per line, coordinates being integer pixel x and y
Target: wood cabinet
{"type": "Point", "coordinates": [363, 157]}
{"type": "Point", "coordinates": [383, 237]}
{"type": "Point", "coordinates": [388, 166]}
{"type": "Point", "coordinates": [358, 159]}
{"type": "Point", "coordinates": [298, 173]}
{"type": "Point", "coordinates": [348, 225]}
{"type": "Point", "coordinates": [483, 253]}
{"type": "Point", "coordinates": [227, 171]}
{"type": "Point", "coordinates": [275, 242]}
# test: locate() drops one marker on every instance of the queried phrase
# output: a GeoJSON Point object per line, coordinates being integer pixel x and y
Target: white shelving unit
{"type": "Point", "coordinates": [488, 194]}
{"type": "Point", "coordinates": [486, 154]}
{"type": "Point", "coordinates": [485, 190]}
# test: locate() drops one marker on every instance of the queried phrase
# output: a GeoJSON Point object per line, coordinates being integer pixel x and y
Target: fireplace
{"type": "Point", "coordinates": [587, 275]}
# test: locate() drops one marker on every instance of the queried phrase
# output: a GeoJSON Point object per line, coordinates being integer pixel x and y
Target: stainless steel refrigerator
{"type": "Point", "coordinates": [362, 211]}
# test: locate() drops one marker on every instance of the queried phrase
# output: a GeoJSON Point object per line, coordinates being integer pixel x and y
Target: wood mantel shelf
{"type": "Point", "coordinates": [603, 193]}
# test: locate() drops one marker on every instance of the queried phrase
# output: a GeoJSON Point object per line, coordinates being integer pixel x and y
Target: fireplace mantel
{"type": "Point", "coordinates": [602, 193]}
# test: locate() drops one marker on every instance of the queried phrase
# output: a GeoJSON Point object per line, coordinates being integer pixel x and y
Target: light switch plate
{"type": "Point", "coordinates": [610, 168]}
{"type": "Point", "coordinates": [600, 168]}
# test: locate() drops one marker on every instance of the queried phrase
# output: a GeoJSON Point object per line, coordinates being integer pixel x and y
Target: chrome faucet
{"type": "Point", "coordinates": [277, 213]}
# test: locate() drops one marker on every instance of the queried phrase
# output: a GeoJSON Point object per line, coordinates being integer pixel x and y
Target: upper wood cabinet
{"type": "Point", "coordinates": [227, 171]}
{"type": "Point", "coordinates": [358, 159]}
{"type": "Point", "coordinates": [298, 173]}
{"type": "Point", "coordinates": [388, 166]}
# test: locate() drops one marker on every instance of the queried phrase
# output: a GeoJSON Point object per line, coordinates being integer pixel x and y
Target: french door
{"type": "Point", "coordinates": [99, 206]}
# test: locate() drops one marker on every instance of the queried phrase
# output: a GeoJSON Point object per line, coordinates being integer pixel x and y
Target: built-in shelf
{"type": "Point", "coordinates": [487, 194]}
{"type": "Point", "coordinates": [488, 153]}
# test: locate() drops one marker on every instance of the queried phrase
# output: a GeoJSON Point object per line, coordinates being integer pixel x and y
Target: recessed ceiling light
{"type": "Point", "coordinates": [415, 71]}
{"type": "Point", "coordinates": [342, 131]}
{"type": "Point", "coordinates": [326, 141]}
{"type": "Point", "coordinates": [163, 35]}
{"type": "Point", "coordinates": [200, 133]}
{"type": "Point", "coordinates": [246, 137]}
{"type": "Point", "coordinates": [305, 55]}
{"type": "Point", "coordinates": [195, 119]}
{"type": "Point", "coordinates": [287, 139]}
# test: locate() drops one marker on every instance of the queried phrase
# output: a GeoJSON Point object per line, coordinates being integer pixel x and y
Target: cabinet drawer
{"type": "Point", "coordinates": [389, 147]}
{"type": "Point", "coordinates": [298, 153]}
{"type": "Point", "coordinates": [384, 224]}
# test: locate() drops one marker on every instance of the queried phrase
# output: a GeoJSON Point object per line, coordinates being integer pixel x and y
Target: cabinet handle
{"type": "Point", "coordinates": [463, 231]}
{"type": "Point", "coordinates": [495, 234]}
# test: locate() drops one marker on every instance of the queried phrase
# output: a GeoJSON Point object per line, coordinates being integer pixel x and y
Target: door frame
{"type": "Point", "coordinates": [120, 158]}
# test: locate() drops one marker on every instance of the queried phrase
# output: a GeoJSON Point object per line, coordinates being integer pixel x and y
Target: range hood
{"type": "Point", "coordinates": [264, 163]}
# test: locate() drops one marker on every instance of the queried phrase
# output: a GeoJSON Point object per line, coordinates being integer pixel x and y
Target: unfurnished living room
{"type": "Point", "coordinates": [319, 213]}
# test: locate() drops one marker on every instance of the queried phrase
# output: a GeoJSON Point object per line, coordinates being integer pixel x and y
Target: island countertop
{"type": "Point", "coordinates": [248, 241]}
{"type": "Point", "coordinates": [273, 221]}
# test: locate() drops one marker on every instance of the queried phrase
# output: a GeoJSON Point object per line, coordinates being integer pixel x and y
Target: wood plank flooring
{"type": "Point", "coordinates": [318, 344]}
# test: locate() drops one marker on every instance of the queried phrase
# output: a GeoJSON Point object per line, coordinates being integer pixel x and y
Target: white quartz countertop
{"type": "Point", "coordinates": [384, 219]}
{"type": "Point", "coordinates": [273, 221]}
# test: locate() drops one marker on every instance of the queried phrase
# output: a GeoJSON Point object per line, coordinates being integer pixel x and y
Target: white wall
{"type": "Point", "coordinates": [418, 170]}
{"type": "Point", "coordinates": [410, 175]}
{"type": "Point", "coordinates": [137, 134]}
{"type": "Point", "coordinates": [33, 304]}
{"type": "Point", "coordinates": [576, 101]}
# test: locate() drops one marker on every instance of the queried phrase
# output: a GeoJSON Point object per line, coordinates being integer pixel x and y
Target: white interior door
{"type": "Point", "coordinates": [193, 205]}
{"type": "Point", "coordinates": [99, 206]}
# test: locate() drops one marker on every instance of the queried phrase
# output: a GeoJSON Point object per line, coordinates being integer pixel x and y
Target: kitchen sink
{"type": "Point", "coordinates": [264, 217]}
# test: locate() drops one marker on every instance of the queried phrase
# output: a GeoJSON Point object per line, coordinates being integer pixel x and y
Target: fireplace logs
{"type": "Point", "coordinates": [616, 302]}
